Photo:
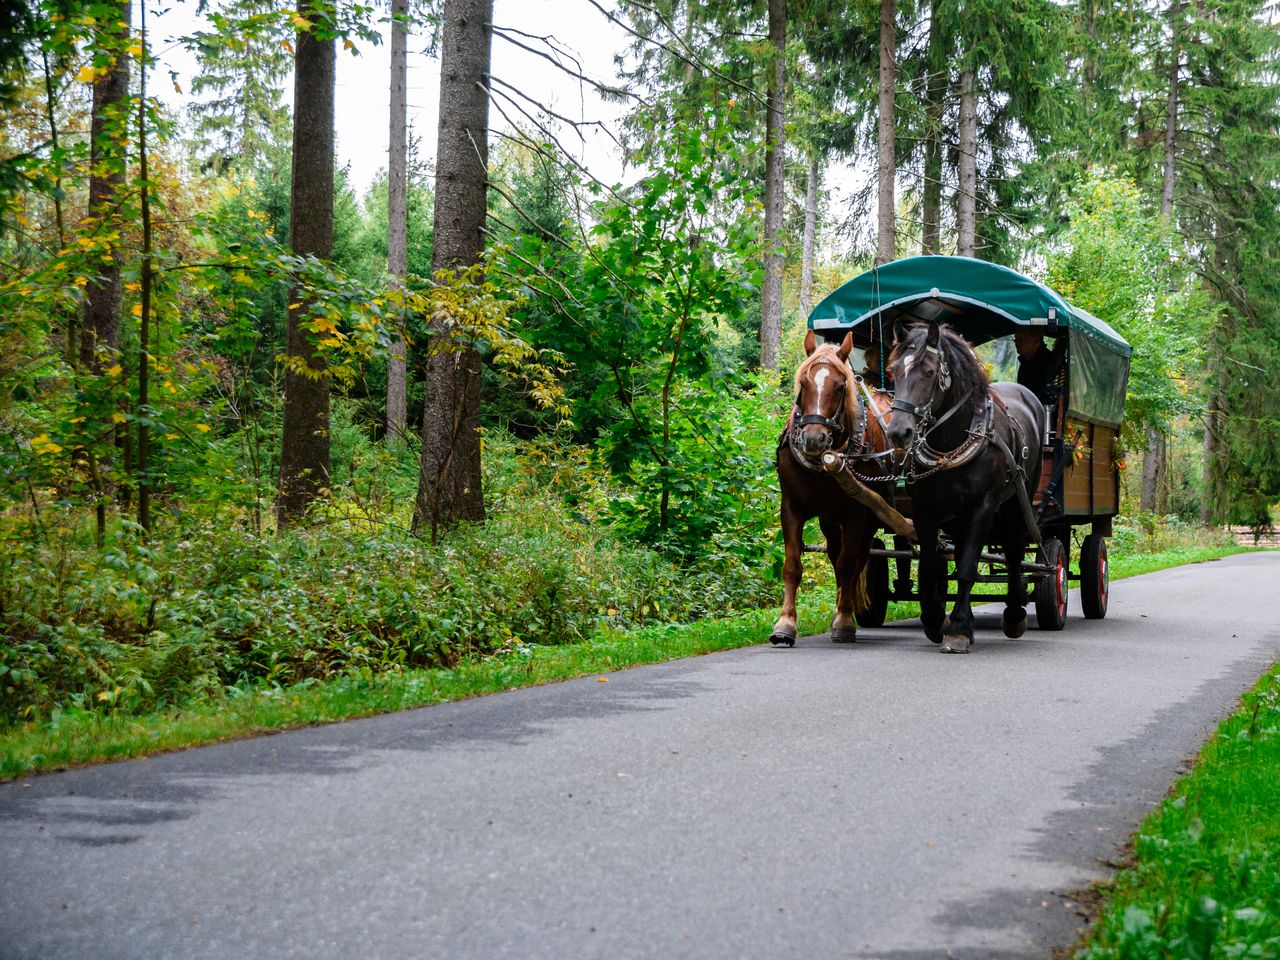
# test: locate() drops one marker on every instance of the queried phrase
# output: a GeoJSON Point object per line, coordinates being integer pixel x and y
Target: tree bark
{"type": "Point", "coordinates": [398, 208]}
{"type": "Point", "coordinates": [885, 246]}
{"type": "Point", "coordinates": [1213, 493]}
{"type": "Point", "coordinates": [1171, 119]}
{"type": "Point", "coordinates": [967, 169]}
{"type": "Point", "coordinates": [774, 187]}
{"type": "Point", "coordinates": [935, 104]}
{"type": "Point", "coordinates": [1153, 476]}
{"type": "Point", "coordinates": [148, 277]}
{"type": "Point", "coordinates": [449, 482]}
{"type": "Point", "coordinates": [304, 451]}
{"type": "Point", "coordinates": [1151, 464]}
{"type": "Point", "coordinates": [108, 139]}
{"type": "Point", "coordinates": [810, 230]}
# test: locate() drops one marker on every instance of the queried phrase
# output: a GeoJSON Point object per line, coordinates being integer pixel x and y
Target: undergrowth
{"type": "Point", "coordinates": [213, 606]}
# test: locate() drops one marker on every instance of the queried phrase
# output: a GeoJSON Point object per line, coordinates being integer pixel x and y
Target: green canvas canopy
{"type": "Point", "coordinates": [983, 301]}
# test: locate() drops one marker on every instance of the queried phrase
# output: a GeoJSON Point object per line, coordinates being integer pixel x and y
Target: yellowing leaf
{"type": "Point", "coordinates": [119, 417]}
{"type": "Point", "coordinates": [301, 22]}
{"type": "Point", "coordinates": [87, 74]}
{"type": "Point", "coordinates": [115, 370]}
{"type": "Point", "coordinates": [137, 309]}
{"type": "Point", "coordinates": [203, 427]}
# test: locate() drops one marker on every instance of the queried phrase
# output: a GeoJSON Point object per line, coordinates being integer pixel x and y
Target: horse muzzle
{"type": "Point", "coordinates": [815, 440]}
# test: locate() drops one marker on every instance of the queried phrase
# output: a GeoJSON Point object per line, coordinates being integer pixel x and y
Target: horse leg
{"type": "Point", "coordinates": [785, 630]}
{"type": "Point", "coordinates": [933, 581]}
{"type": "Point", "coordinates": [1014, 620]}
{"type": "Point", "coordinates": [958, 634]}
{"type": "Point", "coordinates": [844, 563]}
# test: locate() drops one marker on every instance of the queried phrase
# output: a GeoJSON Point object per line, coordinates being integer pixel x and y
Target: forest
{"type": "Point", "coordinates": [261, 430]}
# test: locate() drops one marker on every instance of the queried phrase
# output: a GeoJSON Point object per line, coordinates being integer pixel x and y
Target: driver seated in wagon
{"type": "Point", "coordinates": [1040, 366]}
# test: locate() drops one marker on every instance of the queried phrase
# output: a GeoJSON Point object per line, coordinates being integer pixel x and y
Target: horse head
{"type": "Point", "coordinates": [926, 366]}
{"type": "Point", "coordinates": [827, 401]}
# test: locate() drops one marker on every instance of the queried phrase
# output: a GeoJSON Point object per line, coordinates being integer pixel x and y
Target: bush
{"type": "Point", "coordinates": [139, 625]}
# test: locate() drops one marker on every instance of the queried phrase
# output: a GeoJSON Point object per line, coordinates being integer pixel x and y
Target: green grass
{"type": "Point", "coordinates": [1205, 881]}
{"type": "Point", "coordinates": [76, 737]}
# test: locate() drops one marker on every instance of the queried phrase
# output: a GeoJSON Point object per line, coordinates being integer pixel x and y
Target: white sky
{"type": "Point", "coordinates": [362, 103]}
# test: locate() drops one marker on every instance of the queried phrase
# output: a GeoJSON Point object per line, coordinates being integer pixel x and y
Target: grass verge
{"type": "Point", "coordinates": [78, 737]}
{"type": "Point", "coordinates": [1205, 879]}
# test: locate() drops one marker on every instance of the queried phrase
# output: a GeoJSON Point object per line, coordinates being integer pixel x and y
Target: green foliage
{"type": "Point", "coordinates": [213, 607]}
{"type": "Point", "coordinates": [1120, 261]}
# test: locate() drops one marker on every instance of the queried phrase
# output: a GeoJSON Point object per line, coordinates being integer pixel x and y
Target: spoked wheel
{"type": "Point", "coordinates": [1095, 582]}
{"type": "Point", "coordinates": [1051, 590]}
{"type": "Point", "coordinates": [872, 613]}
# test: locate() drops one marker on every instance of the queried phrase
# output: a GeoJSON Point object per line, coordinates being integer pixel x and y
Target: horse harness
{"type": "Point", "coordinates": [853, 445]}
{"type": "Point", "coordinates": [924, 461]}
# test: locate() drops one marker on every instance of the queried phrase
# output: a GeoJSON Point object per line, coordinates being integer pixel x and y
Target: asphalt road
{"type": "Point", "coordinates": [876, 800]}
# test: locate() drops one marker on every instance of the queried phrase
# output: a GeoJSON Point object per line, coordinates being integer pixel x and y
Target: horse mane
{"type": "Point", "coordinates": [830, 353]}
{"type": "Point", "coordinates": [967, 372]}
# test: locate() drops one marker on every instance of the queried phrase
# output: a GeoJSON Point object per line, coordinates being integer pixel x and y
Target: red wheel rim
{"type": "Point", "coordinates": [1060, 579]}
{"type": "Point", "coordinates": [1104, 584]}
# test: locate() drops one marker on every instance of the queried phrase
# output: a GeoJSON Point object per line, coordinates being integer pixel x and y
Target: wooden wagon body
{"type": "Point", "coordinates": [1079, 484]}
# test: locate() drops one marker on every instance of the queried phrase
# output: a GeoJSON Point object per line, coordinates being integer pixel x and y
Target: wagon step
{"type": "Point", "coordinates": [815, 548]}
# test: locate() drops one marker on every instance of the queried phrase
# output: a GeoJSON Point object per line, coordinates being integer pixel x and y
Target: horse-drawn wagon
{"type": "Point", "coordinates": [1050, 445]}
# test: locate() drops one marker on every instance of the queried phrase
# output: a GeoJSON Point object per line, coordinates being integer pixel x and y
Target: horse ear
{"type": "Point", "coordinates": [935, 334]}
{"type": "Point", "coordinates": [810, 343]}
{"type": "Point", "coordinates": [899, 332]}
{"type": "Point", "coordinates": [846, 346]}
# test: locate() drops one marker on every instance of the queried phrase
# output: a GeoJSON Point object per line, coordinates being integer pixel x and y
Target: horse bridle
{"type": "Point", "coordinates": [919, 452]}
{"type": "Point", "coordinates": [922, 413]}
{"type": "Point", "coordinates": [834, 423]}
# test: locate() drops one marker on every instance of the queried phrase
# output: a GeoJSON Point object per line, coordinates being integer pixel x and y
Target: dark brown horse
{"type": "Point", "coordinates": [831, 414]}
{"type": "Point", "coordinates": [964, 446]}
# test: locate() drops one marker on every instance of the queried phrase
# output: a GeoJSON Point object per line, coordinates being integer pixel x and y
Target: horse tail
{"type": "Point", "coordinates": [861, 598]}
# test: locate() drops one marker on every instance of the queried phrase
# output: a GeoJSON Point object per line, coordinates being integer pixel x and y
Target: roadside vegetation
{"type": "Point", "coordinates": [216, 631]}
{"type": "Point", "coordinates": [1204, 881]}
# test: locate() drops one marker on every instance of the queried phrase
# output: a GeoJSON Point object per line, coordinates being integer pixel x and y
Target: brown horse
{"type": "Point", "coordinates": [831, 414]}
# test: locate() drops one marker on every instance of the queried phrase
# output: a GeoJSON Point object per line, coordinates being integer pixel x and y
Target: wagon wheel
{"type": "Point", "coordinates": [872, 613]}
{"type": "Point", "coordinates": [1051, 589]}
{"type": "Point", "coordinates": [1095, 580]}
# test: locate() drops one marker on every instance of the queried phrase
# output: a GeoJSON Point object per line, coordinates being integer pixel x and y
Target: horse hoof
{"type": "Point", "coordinates": [1013, 630]}
{"type": "Point", "coordinates": [783, 633]}
{"type": "Point", "coordinates": [844, 635]}
{"type": "Point", "coordinates": [956, 644]}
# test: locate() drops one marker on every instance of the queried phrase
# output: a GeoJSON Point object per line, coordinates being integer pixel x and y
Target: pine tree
{"type": "Point", "coordinates": [449, 483]}
{"type": "Point", "coordinates": [304, 450]}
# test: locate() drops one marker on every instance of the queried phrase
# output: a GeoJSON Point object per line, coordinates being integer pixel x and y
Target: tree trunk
{"type": "Point", "coordinates": [108, 139]}
{"type": "Point", "coordinates": [1171, 120]}
{"type": "Point", "coordinates": [935, 103]}
{"type": "Point", "coordinates": [774, 188]}
{"type": "Point", "coordinates": [449, 487]}
{"type": "Point", "coordinates": [1213, 492]}
{"type": "Point", "coordinates": [304, 451]}
{"type": "Point", "coordinates": [148, 277]}
{"type": "Point", "coordinates": [885, 137]}
{"type": "Point", "coordinates": [967, 169]}
{"type": "Point", "coordinates": [1154, 479]}
{"type": "Point", "coordinates": [398, 208]}
{"type": "Point", "coordinates": [1151, 463]}
{"type": "Point", "coordinates": [810, 229]}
